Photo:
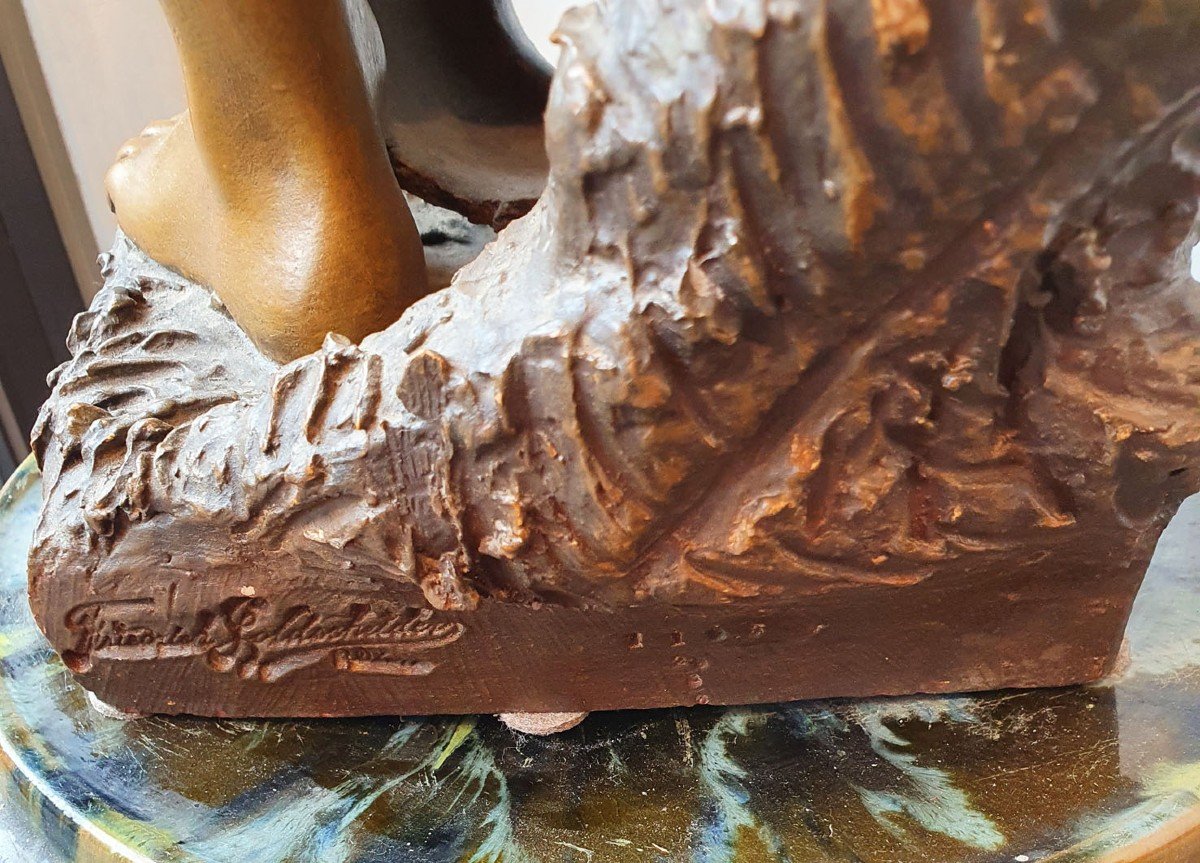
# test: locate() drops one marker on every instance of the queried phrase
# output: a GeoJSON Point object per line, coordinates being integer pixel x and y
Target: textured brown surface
{"type": "Point", "coordinates": [851, 350]}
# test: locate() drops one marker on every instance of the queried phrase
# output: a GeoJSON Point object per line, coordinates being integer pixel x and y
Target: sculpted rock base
{"type": "Point", "coordinates": [851, 350]}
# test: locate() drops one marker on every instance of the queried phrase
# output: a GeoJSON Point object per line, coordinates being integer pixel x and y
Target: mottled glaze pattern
{"type": "Point", "coordinates": [1084, 775]}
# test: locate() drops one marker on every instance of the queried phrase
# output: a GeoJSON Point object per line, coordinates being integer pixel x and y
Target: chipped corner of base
{"type": "Point", "coordinates": [105, 709]}
{"type": "Point", "coordinates": [1122, 662]}
{"type": "Point", "coordinates": [541, 724]}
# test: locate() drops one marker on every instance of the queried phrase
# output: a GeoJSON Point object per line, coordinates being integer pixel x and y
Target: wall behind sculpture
{"type": "Point", "coordinates": [539, 18]}
{"type": "Point", "coordinates": [87, 76]}
{"type": "Point", "coordinates": [90, 74]}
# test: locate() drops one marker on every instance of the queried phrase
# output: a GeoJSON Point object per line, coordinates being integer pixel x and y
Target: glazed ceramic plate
{"type": "Point", "coordinates": [1104, 773]}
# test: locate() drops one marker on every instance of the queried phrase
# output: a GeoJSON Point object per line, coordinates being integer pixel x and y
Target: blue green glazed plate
{"type": "Point", "coordinates": [1102, 774]}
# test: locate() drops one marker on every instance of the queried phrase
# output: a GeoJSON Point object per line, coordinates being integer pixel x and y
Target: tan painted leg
{"type": "Point", "coordinates": [275, 188]}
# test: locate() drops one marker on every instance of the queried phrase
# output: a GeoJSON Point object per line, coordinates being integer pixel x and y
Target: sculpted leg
{"type": "Point", "coordinates": [274, 189]}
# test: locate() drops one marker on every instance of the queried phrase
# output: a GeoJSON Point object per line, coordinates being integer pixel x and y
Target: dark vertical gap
{"type": "Point", "coordinates": [38, 293]}
{"type": "Point", "coordinates": [8, 461]}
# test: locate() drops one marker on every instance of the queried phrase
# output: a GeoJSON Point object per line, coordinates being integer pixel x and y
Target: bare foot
{"type": "Point", "coordinates": [275, 189]}
{"type": "Point", "coordinates": [322, 253]}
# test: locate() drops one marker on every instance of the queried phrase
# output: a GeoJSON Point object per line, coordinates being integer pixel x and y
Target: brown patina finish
{"type": "Point", "coordinates": [850, 350]}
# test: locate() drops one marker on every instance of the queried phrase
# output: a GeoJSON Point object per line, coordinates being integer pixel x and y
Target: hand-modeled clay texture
{"type": "Point", "coordinates": [1090, 774]}
{"type": "Point", "coordinates": [851, 349]}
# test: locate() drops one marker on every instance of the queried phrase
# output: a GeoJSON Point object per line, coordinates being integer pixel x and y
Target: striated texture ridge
{"type": "Point", "coordinates": [851, 349]}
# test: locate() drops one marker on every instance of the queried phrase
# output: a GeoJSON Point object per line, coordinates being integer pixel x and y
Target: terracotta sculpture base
{"type": "Point", "coordinates": [246, 648]}
{"type": "Point", "coordinates": [852, 349]}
